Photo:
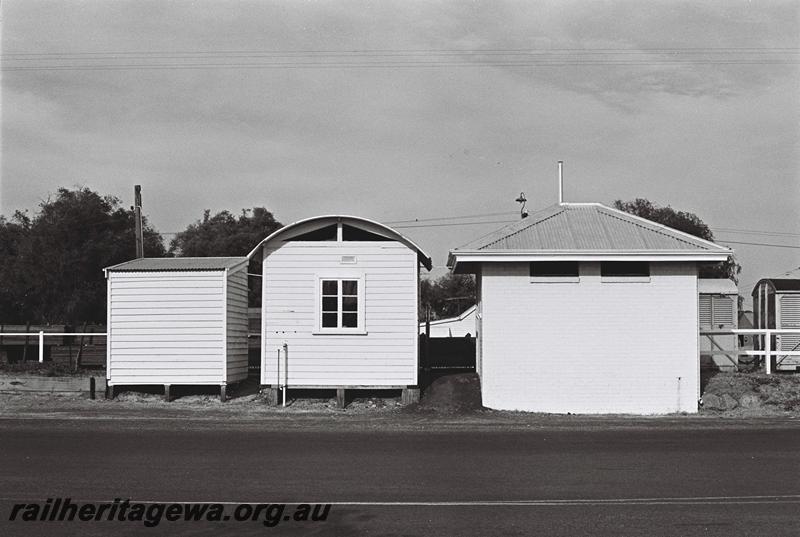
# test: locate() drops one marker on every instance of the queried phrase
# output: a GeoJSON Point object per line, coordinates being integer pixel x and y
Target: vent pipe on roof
{"type": "Point", "coordinates": [560, 182]}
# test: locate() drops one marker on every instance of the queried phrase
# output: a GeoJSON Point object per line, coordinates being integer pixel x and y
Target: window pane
{"type": "Point", "coordinates": [625, 268]}
{"type": "Point", "coordinates": [554, 268]}
{"type": "Point", "coordinates": [329, 303]}
{"type": "Point", "coordinates": [349, 287]}
{"type": "Point", "coordinates": [327, 233]}
{"type": "Point", "coordinates": [329, 320]}
{"type": "Point", "coordinates": [349, 303]}
{"type": "Point", "coordinates": [350, 320]}
{"type": "Point", "coordinates": [330, 287]}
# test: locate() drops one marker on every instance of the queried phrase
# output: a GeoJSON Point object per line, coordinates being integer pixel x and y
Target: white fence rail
{"type": "Point", "coordinates": [763, 335]}
{"type": "Point", "coordinates": [41, 334]}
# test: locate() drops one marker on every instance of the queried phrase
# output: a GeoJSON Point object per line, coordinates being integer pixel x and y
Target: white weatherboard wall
{"type": "Point", "coordinates": [169, 327]}
{"type": "Point", "coordinates": [385, 356]}
{"type": "Point", "coordinates": [592, 346]}
{"type": "Point", "coordinates": [237, 325]}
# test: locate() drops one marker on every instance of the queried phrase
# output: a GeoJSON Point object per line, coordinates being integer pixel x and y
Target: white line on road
{"type": "Point", "coordinates": [700, 500]}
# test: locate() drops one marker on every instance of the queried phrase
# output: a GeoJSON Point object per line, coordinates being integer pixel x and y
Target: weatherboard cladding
{"type": "Point", "coordinates": [155, 264]}
{"type": "Point", "coordinates": [178, 326]}
{"type": "Point", "coordinates": [585, 227]}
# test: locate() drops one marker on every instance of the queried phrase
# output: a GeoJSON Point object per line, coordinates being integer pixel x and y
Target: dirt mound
{"type": "Point", "coordinates": [451, 394]}
{"type": "Point", "coordinates": [752, 393]}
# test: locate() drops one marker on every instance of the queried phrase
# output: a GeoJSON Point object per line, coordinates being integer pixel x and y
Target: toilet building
{"type": "Point", "coordinates": [587, 309]}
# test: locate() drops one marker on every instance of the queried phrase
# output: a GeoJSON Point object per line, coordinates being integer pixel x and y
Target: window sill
{"type": "Point", "coordinates": [555, 279]}
{"type": "Point", "coordinates": [625, 279]}
{"type": "Point", "coordinates": [339, 332]}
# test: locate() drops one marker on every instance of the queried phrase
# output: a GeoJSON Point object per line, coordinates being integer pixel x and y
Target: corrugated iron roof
{"type": "Point", "coordinates": [356, 221]}
{"type": "Point", "coordinates": [155, 264]}
{"type": "Point", "coordinates": [784, 284]}
{"type": "Point", "coordinates": [588, 226]}
{"type": "Point", "coordinates": [717, 286]}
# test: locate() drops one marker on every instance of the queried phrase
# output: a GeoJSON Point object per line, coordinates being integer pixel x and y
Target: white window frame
{"type": "Point", "coordinates": [361, 329]}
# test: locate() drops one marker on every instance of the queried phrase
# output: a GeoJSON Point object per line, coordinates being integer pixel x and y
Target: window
{"type": "Point", "coordinates": [340, 305]}
{"type": "Point", "coordinates": [327, 233]}
{"type": "Point", "coordinates": [350, 233]}
{"type": "Point", "coordinates": [554, 271]}
{"type": "Point", "coordinates": [625, 271]}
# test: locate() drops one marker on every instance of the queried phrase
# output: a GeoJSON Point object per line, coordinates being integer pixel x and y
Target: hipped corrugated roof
{"type": "Point", "coordinates": [591, 227]}
{"type": "Point", "coordinates": [160, 264]}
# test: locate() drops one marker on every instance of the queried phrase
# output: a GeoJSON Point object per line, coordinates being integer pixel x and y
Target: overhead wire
{"type": "Point", "coordinates": [397, 58]}
{"type": "Point", "coordinates": [760, 244]}
{"type": "Point", "coordinates": [644, 50]}
{"type": "Point", "coordinates": [753, 282]}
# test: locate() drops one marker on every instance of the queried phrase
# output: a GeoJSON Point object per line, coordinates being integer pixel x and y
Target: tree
{"type": "Point", "coordinates": [12, 235]}
{"type": "Point", "coordinates": [682, 221]}
{"type": "Point", "coordinates": [225, 235]}
{"type": "Point", "coordinates": [446, 296]}
{"type": "Point", "coordinates": [52, 264]}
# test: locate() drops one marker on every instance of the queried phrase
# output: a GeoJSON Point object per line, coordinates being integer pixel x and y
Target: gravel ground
{"type": "Point", "coordinates": [452, 401]}
{"type": "Point", "coordinates": [752, 395]}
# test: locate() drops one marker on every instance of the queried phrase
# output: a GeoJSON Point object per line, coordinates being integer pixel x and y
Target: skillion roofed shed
{"type": "Point", "coordinates": [177, 321]}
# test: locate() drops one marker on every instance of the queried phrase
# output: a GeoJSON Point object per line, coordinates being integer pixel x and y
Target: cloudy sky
{"type": "Point", "coordinates": [411, 110]}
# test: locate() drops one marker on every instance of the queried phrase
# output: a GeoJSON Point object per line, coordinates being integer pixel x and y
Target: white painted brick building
{"type": "Point", "coordinates": [586, 309]}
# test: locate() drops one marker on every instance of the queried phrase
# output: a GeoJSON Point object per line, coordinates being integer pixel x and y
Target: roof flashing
{"type": "Point", "coordinates": [379, 228]}
{"type": "Point", "coordinates": [179, 264]}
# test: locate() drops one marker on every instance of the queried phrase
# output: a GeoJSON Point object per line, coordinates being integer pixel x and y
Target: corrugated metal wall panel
{"type": "Point", "coordinates": [705, 311]}
{"type": "Point", "coordinates": [237, 326]}
{"type": "Point", "coordinates": [723, 307]}
{"type": "Point", "coordinates": [790, 311]}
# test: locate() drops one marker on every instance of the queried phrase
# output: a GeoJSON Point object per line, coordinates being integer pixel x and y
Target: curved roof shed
{"type": "Point", "coordinates": [340, 299]}
{"type": "Point", "coordinates": [320, 228]}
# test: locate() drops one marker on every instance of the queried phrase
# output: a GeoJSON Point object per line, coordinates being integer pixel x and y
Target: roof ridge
{"type": "Point", "coordinates": [677, 232]}
{"type": "Point", "coordinates": [520, 230]}
{"type": "Point", "coordinates": [658, 231]}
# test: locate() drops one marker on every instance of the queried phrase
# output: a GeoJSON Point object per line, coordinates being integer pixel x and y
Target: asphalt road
{"type": "Point", "coordinates": [651, 479]}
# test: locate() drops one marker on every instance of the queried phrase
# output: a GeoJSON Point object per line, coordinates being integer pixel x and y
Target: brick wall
{"type": "Point", "coordinates": [590, 347]}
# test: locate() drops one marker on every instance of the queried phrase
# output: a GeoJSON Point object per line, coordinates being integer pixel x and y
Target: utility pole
{"type": "Point", "coordinates": [137, 212]}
